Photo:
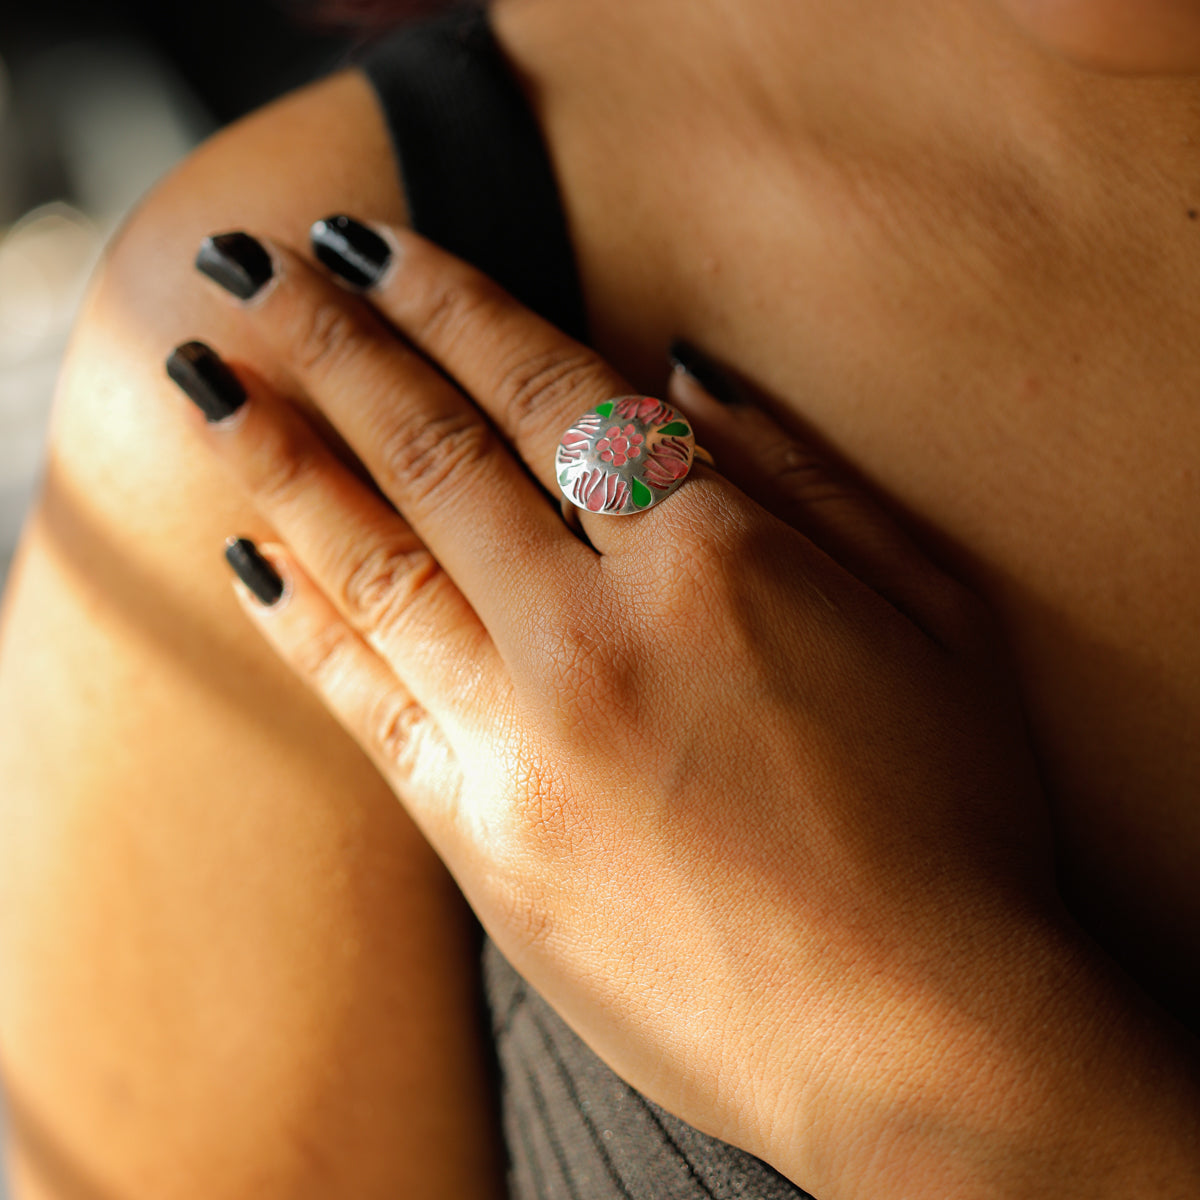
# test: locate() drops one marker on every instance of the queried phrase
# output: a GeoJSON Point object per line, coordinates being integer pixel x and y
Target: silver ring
{"type": "Point", "coordinates": [625, 456]}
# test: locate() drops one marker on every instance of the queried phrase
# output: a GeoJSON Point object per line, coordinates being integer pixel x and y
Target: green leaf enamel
{"type": "Point", "coordinates": [642, 495]}
{"type": "Point", "coordinates": [605, 409]}
{"type": "Point", "coordinates": [563, 478]}
{"type": "Point", "coordinates": [675, 429]}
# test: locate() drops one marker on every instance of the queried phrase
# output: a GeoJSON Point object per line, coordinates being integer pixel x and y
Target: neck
{"type": "Point", "coordinates": [930, 69]}
{"type": "Point", "coordinates": [936, 134]}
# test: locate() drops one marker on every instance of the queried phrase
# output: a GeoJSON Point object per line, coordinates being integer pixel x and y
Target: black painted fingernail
{"type": "Point", "coordinates": [254, 571]}
{"type": "Point", "coordinates": [206, 380]}
{"type": "Point", "coordinates": [350, 250]}
{"type": "Point", "coordinates": [715, 381]}
{"type": "Point", "coordinates": [236, 261]}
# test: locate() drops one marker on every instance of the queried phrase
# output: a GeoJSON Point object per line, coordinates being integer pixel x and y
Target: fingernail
{"type": "Point", "coordinates": [237, 262]}
{"type": "Point", "coordinates": [350, 250]}
{"type": "Point", "coordinates": [206, 380]}
{"type": "Point", "coordinates": [716, 382]}
{"type": "Point", "coordinates": [254, 571]}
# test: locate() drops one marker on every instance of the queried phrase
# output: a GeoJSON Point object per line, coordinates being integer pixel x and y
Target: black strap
{"type": "Point", "coordinates": [474, 167]}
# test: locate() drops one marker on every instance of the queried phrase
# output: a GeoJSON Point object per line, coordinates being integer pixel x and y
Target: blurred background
{"type": "Point", "coordinates": [98, 99]}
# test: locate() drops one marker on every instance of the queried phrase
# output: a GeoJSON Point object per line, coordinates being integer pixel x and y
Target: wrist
{"type": "Point", "coordinates": [1026, 1066]}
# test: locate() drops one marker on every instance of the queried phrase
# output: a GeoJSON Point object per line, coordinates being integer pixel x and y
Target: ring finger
{"type": "Point", "coordinates": [533, 380]}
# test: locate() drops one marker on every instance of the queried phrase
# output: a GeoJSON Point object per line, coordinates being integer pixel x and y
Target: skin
{"type": "Point", "coordinates": [234, 967]}
{"type": "Point", "coordinates": [1029, 250]}
{"type": "Point", "coordinates": [635, 853]}
{"type": "Point", "coordinates": [1155, 37]}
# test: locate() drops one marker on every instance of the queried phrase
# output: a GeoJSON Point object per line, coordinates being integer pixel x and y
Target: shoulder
{"type": "Point", "coordinates": [116, 429]}
{"type": "Point", "coordinates": [195, 833]}
{"type": "Point", "coordinates": [119, 439]}
{"type": "Point", "coordinates": [324, 148]}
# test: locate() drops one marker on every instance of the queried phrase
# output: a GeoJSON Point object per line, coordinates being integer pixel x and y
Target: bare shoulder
{"type": "Point", "coordinates": [231, 967]}
{"type": "Point", "coordinates": [320, 150]}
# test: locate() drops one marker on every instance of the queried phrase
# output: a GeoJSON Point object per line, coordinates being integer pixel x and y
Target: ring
{"type": "Point", "coordinates": [625, 455]}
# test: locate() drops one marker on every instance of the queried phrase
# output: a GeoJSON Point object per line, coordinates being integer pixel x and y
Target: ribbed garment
{"type": "Point", "coordinates": [479, 182]}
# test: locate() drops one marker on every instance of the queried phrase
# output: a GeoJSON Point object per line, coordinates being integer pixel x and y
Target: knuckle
{"type": "Point", "coordinates": [804, 475]}
{"type": "Point", "coordinates": [596, 681]}
{"type": "Point", "coordinates": [701, 577]}
{"type": "Point", "coordinates": [421, 458]}
{"type": "Point", "coordinates": [323, 336]}
{"type": "Point", "coordinates": [384, 582]}
{"type": "Point", "coordinates": [533, 389]}
{"type": "Point", "coordinates": [451, 308]}
{"type": "Point", "coordinates": [395, 727]}
{"type": "Point", "coordinates": [285, 465]}
{"type": "Point", "coordinates": [704, 529]}
{"type": "Point", "coordinates": [324, 655]}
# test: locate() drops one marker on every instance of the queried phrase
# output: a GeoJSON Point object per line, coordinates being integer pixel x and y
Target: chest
{"type": "Point", "coordinates": [1022, 384]}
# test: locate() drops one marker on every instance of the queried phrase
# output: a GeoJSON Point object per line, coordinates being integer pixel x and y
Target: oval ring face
{"type": "Point", "coordinates": [624, 455]}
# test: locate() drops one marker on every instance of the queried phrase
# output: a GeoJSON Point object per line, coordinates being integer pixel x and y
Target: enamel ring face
{"type": "Point", "coordinates": [624, 455]}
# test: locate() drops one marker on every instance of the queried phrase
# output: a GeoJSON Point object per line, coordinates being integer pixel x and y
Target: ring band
{"type": "Point", "coordinates": [625, 456]}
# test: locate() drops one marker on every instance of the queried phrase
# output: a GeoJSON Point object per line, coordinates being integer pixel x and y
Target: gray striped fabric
{"type": "Point", "coordinates": [575, 1131]}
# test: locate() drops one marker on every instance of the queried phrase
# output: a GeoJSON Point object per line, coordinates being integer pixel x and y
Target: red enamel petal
{"type": "Point", "coordinates": [591, 489]}
{"type": "Point", "coordinates": [642, 408]}
{"type": "Point", "coordinates": [668, 463]}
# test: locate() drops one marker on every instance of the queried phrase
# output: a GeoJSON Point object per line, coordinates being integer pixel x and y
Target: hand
{"type": "Point", "coordinates": [765, 830]}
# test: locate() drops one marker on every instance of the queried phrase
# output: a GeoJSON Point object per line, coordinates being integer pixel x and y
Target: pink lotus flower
{"type": "Point", "coordinates": [643, 408]}
{"type": "Point", "coordinates": [576, 440]}
{"type": "Point", "coordinates": [619, 446]}
{"type": "Point", "coordinates": [667, 464]}
{"type": "Point", "coordinates": [600, 491]}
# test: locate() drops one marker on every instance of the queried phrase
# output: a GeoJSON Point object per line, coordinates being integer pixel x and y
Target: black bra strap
{"type": "Point", "coordinates": [474, 166]}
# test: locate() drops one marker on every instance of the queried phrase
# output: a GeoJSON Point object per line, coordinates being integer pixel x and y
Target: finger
{"type": "Point", "coordinates": [357, 687]}
{"type": "Point", "coordinates": [428, 448]}
{"type": "Point", "coordinates": [533, 381]}
{"type": "Point", "coordinates": [365, 557]}
{"type": "Point", "coordinates": [793, 479]}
